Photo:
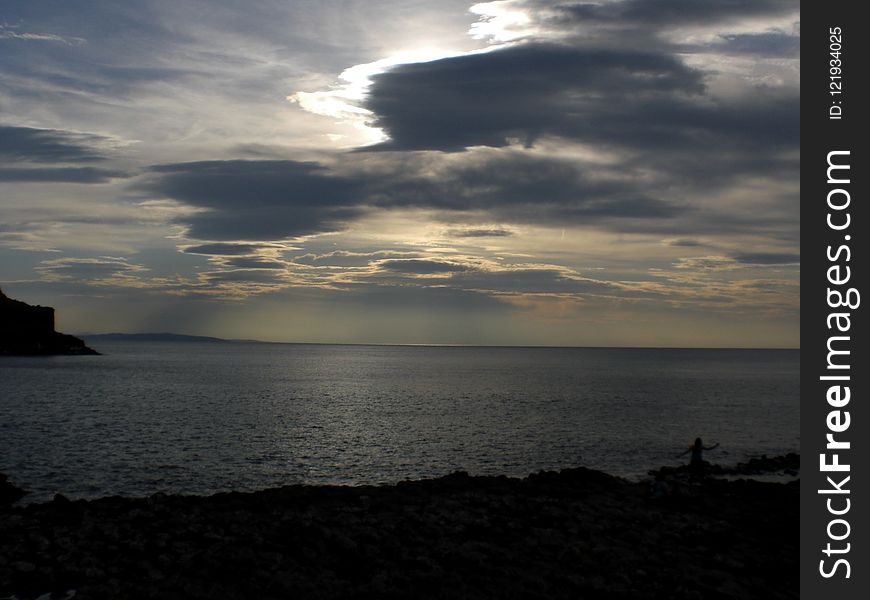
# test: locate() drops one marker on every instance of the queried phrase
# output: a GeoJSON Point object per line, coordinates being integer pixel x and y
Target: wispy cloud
{"type": "Point", "coordinates": [13, 32]}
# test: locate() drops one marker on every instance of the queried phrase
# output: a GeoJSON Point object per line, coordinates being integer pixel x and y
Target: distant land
{"type": "Point", "coordinates": [154, 337]}
{"type": "Point", "coordinates": [177, 337]}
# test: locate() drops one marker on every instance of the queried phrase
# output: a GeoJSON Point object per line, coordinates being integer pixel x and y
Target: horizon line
{"type": "Point", "coordinates": [432, 345]}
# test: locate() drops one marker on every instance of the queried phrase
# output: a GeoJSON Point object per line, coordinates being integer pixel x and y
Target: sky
{"type": "Point", "coordinates": [518, 172]}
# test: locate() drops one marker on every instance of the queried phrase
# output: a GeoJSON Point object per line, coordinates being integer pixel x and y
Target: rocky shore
{"type": "Point", "coordinates": [573, 534]}
{"type": "Point", "coordinates": [27, 330]}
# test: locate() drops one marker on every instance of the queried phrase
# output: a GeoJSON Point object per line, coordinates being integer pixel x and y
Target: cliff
{"type": "Point", "coordinates": [29, 330]}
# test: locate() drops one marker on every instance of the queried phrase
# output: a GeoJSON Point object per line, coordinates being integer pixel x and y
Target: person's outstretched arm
{"type": "Point", "coordinates": [713, 446]}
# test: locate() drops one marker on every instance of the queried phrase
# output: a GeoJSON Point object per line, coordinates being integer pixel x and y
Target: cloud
{"type": "Point", "coordinates": [770, 44]}
{"type": "Point", "coordinates": [83, 59]}
{"type": "Point", "coordinates": [283, 199]}
{"type": "Point", "coordinates": [264, 277]}
{"type": "Point", "coordinates": [276, 200]}
{"type": "Point", "coordinates": [247, 262]}
{"type": "Point", "coordinates": [346, 258]}
{"type": "Point", "coordinates": [615, 99]}
{"type": "Point", "coordinates": [29, 144]}
{"type": "Point", "coordinates": [105, 269]}
{"type": "Point", "coordinates": [636, 23]}
{"type": "Point", "coordinates": [237, 277]}
{"type": "Point", "coordinates": [659, 13]}
{"type": "Point", "coordinates": [60, 174]}
{"type": "Point", "coordinates": [482, 275]}
{"type": "Point", "coordinates": [413, 266]}
{"type": "Point", "coordinates": [534, 278]}
{"type": "Point", "coordinates": [647, 110]}
{"type": "Point", "coordinates": [612, 152]}
{"type": "Point", "coordinates": [684, 243]}
{"type": "Point", "coordinates": [634, 141]}
{"type": "Point", "coordinates": [707, 263]}
{"type": "Point", "coordinates": [526, 91]}
{"type": "Point", "coordinates": [523, 187]}
{"type": "Point", "coordinates": [257, 200]}
{"type": "Point", "coordinates": [8, 32]}
{"type": "Point", "coordinates": [768, 258]}
{"type": "Point", "coordinates": [479, 233]}
{"type": "Point", "coordinates": [227, 249]}
{"type": "Point", "coordinates": [648, 106]}
{"type": "Point", "coordinates": [603, 132]}
{"type": "Point", "coordinates": [738, 260]}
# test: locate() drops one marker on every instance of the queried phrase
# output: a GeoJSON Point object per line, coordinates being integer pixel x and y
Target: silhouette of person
{"type": "Point", "coordinates": [697, 450]}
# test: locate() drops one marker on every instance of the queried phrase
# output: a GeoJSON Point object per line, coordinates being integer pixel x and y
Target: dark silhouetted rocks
{"type": "Point", "coordinates": [8, 492]}
{"type": "Point", "coordinates": [789, 464]}
{"type": "Point", "coordinates": [29, 330]}
{"type": "Point", "coordinates": [573, 534]}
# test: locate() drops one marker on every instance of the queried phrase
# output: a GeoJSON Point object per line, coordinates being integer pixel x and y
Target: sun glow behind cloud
{"type": "Point", "coordinates": [343, 100]}
{"type": "Point", "coordinates": [499, 24]}
{"type": "Point", "coordinates": [500, 21]}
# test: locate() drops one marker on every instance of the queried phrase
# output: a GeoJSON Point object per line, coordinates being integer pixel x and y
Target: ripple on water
{"type": "Point", "coordinates": [200, 418]}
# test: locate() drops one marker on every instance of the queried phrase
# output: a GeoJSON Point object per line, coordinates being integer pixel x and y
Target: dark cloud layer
{"type": "Point", "coordinates": [525, 188]}
{"type": "Point", "coordinates": [660, 13]}
{"type": "Point", "coordinates": [613, 83]}
{"type": "Point", "coordinates": [768, 258]}
{"type": "Point", "coordinates": [684, 243]}
{"type": "Point", "coordinates": [29, 154]}
{"type": "Point", "coordinates": [276, 200]}
{"type": "Point", "coordinates": [638, 101]}
{"type": "Point", "coordinates": [272, 200]}
{"type": "Point", "coordinates": [482, 233]}
{"type": "Point", "coordinates": [225, 249]}
{"type": "Point", "coordinates": [647, 108]}
{"type": "Point", "coordinates": [422, 267]}
{"type": "Point", "coordinates": [524, 92]}
{"type": "Point", "coordinates": [60, 175]}
{"type": "Point", "coordinates": [668, 140]}
{"type": "Point", "coordinates": [768, 44]}
{"type": "Point", "coordinates": [28, 144]}
{"type": "Point", "coordinates": [265, 200]}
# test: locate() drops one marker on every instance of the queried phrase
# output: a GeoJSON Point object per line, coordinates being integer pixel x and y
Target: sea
{"type": "Point", "coordinates": [206, 417]}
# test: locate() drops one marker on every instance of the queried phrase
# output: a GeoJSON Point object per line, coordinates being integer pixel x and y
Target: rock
{"type": "Point", "coordinates": [29, 330]}
{"type": "Point", "coordinates": [24, 566]}
{"type": "Point", "coordinates": [8, 492]}
{"type": "Point", "coordinates": [554, 535]}
{"type": "Point", "coordinates": [789, 463]}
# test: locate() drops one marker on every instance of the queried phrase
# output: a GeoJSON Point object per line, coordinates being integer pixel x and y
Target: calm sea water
{"type": "Point", "coordinates": [205, 417]}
